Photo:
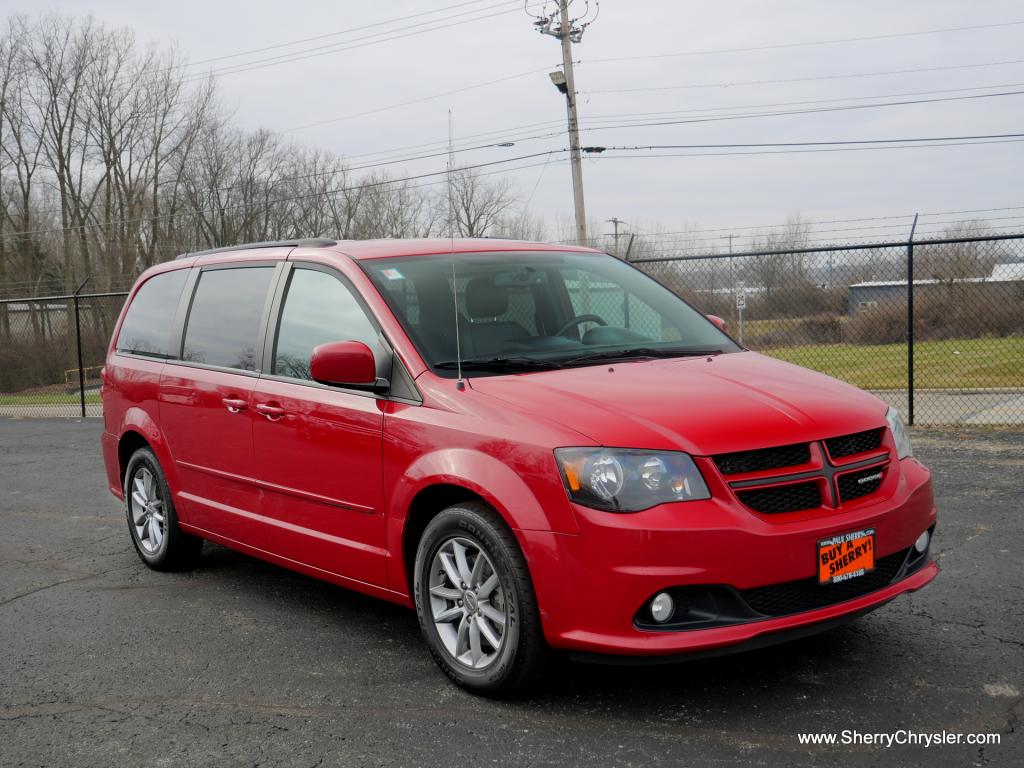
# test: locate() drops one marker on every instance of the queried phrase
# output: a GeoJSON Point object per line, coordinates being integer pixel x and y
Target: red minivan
{"type": "Point", "coordinates": [536, 446]}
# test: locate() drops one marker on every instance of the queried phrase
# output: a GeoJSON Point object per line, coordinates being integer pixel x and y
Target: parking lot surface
{"type": "Point", "coordinates": [105, 663]}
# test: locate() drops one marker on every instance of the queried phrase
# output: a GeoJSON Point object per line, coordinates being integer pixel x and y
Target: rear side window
{"type": "Point", "coordinates": [224, 321]}
{"type": "Point", "coordinates": [146, 329]}
{"type": "Point", "coordinates": [318, 309]}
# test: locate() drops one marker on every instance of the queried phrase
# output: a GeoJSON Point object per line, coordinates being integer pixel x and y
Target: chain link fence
{"type": "Point", "coordinates": [935, 327]}
{"type": "Point", "coordinates": [52, 349]}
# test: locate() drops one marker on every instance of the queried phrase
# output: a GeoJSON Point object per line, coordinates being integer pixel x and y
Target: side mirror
{"type": "Point", "coordinates": [347, 363]}
{"type": "Point", "coordinates": [719, 322]}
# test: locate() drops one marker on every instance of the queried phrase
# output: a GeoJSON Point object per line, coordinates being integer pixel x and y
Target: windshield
{"type": "Point", "coordinates": [537, 310]}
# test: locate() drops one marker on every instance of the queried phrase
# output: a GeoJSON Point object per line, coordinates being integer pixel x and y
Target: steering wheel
{"type": "Point", "coordinates": [578, 320]}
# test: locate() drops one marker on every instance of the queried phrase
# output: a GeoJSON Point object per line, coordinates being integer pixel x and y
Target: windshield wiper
{"type": "Point", "coordinates": [499, 364]}
{"type": "Point", "coordinates": [640, 353]}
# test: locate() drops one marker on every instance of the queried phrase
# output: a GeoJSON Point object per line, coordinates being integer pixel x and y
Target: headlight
{"type": "Point", "coordinates": [624, 480]}
{"type": "Point", "coordinates": [899, 434]}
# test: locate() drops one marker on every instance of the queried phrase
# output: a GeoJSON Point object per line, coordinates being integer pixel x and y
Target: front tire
{"type": "Point", "coordinates": [152, 520]}
{"type": "Point", "coordinates": [475, 601]}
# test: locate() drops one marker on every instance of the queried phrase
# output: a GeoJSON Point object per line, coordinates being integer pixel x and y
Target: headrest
{"type": "Point", "coordinates": [485, 299]}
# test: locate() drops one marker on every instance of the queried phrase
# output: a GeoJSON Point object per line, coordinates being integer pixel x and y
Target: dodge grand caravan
{"type": "Point", "coordinates": [534, 446]}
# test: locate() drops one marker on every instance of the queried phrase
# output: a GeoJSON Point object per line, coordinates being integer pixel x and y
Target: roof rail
{"type": "Point", "coordinates": [309, 242]}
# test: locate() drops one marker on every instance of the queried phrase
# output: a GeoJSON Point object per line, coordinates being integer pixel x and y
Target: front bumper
{"type": "Point", "coordinates": [591, 585]}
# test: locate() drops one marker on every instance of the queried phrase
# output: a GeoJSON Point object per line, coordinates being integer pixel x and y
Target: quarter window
{"type": "Point", "coordinates": [146, 329]}
{"type": "Point", "coordinates": [318, 309]}
{"type": "Point", "coordinates": [224, 322]}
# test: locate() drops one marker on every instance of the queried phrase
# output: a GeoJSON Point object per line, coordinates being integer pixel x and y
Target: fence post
{"type": "Point", "coordinates": [78, 344]}
{"type": "Point", "coordinates": [910, 323]}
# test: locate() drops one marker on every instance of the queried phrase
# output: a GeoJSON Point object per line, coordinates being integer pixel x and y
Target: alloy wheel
{"type": "Point", "coordinates": [147, 509]}
{"type": "Point", "coordinates": [467, 603]}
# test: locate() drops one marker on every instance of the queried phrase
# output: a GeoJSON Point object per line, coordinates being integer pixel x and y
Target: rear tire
{"type": "Point", "coordinates": [475, 601]}
{"type": "Point", "coordinates": [152, 519]}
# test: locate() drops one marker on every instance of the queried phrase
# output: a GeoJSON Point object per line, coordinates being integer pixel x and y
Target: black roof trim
{"type": "Point", "coordinates": [309, 242]}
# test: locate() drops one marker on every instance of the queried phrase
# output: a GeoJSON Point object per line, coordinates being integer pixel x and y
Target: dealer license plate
{"type": "Point", "coordinates": [846, 556]}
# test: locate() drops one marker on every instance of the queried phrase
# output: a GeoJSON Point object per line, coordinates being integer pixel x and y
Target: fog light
{"type": "Point", "coordinates": [662, 607]}
{"type": "Point", "coordinates": [922, 542]}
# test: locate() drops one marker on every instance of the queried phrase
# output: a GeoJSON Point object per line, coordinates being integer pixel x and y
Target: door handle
{"type": "Point", "coordinates": [272, 412]}
{"type": "Point", "coordinates": [234, 404]}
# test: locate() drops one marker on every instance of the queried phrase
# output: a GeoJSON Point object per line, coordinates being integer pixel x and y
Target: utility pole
{"type": "Point", "coordinates": [615, 223]}
{"type": "Point", "coordinates": [569, 31]}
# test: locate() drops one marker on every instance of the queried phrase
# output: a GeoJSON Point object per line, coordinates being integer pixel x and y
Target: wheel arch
{"type": "Point", "coordinates": [130, 441]}
{"type": "Point", "coordinates": [445, 477]}
{"type": "Point", "coordinates": [425, 506]}
{"type": "Point", "coordinates": [138, 429]}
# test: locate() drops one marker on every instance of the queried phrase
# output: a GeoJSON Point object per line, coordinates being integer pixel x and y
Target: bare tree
{"type": "Point", "coordinates": [22, 149]}
{"type": "Point", "coordinates": [521, 225]}
{"type": "Point", "coordinates": [957, 261]}
{"type": "Point", "coordinates": [779, 269]}
{"type": "Point", "coordinates": [61, 57]}
{"type": "Point", "coordinates": [111, 160]}
{"type": "Point", "coordinates": [478, 204]}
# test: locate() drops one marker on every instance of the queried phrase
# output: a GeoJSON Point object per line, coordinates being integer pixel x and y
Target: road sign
{"type": "Point", "coordinates": [741, 296]}
{"type": "Point", "coordinates": [741, 304]}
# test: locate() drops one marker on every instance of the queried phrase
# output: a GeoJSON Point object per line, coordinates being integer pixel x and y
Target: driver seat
{"type": "Point", "coordinates": [485, 303]}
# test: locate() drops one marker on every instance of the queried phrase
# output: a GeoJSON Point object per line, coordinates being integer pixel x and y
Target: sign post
{"type": "Point", "coordinates": [741, 304]}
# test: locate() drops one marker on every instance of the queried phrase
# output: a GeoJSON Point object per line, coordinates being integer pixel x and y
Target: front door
{"type": "Point", "coordinates": [319, 448]}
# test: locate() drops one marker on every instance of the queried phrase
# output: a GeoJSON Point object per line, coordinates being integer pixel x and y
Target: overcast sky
{"type": "Point", "coordinates": [724, 192]}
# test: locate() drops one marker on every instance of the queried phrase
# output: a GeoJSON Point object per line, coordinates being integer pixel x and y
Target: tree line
{"type": "Point", "coordinates": [113, 157]}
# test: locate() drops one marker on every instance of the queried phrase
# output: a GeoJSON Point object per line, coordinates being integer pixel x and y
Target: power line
{"type": "Point", "coordinates": [726, 110]}
{"type": "Point", "coordinates": [833, 41]}
{"type": "Point", "coordinates": [847, 76]}
{"type": "Point", "coordinates": [804, 244]}
{"type": "Point", "coordinates": [811, 230]}
{"type": "Point", "coordinates": [419, 100]}
{"type": "Point", "coordinates": [515, 133]}
{"type": "Point", "coordinates": [605, 117]}
{"type": "Point", "coordinates": [349, 46]}
{"type": "Point", "coordinates": [733, 145]}
{"type": "Point", "coordinates": [692, 242]}
{"type": "Point", "coordinates": [553, 133]}
{"type": "Point", "coordinates": [335, 47]}
{"type": "Point", "coordinates": [808, 150]}
{"type": "Point", "coordinates": [841, 108]}
{"type": "Point", "coordinates": [839, 221]}
{"type": "Point", "coordinates": [326, 35]}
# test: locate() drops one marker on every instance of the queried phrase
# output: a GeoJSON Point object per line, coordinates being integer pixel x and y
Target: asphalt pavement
{"type": "Point", "coordinates": [240, 663]}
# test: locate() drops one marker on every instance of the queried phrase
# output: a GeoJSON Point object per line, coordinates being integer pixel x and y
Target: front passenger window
{"type": "Point", "coordinates": [318, 308]}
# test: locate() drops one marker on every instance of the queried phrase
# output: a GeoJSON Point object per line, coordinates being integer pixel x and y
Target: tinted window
{"type": "Point", "coordinates": [224, 322]}
{"type": "Point", "coordinates": [147, 325]}
{"type": "Point", "coordinates": [318, 309]}
{"type": "Point", "coordinates": [616, 305]}
{"type": "Point", "coordinates": [558, 308]}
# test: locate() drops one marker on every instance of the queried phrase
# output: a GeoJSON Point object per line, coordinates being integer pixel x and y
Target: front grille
{"type": "Point", "coordinates": [763, 458]}
{"type": "Point", "coordinates": [849, 445]}
{"type": "Point", "coordinates": [856, 484]}
{"type": "Point", "coordinates": [807, 594]}
{"type": "Point", "coordinates": [782, 498]}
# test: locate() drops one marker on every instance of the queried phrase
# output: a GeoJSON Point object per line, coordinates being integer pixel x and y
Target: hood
{"type": "Point", "coordinates": [700, 405]}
